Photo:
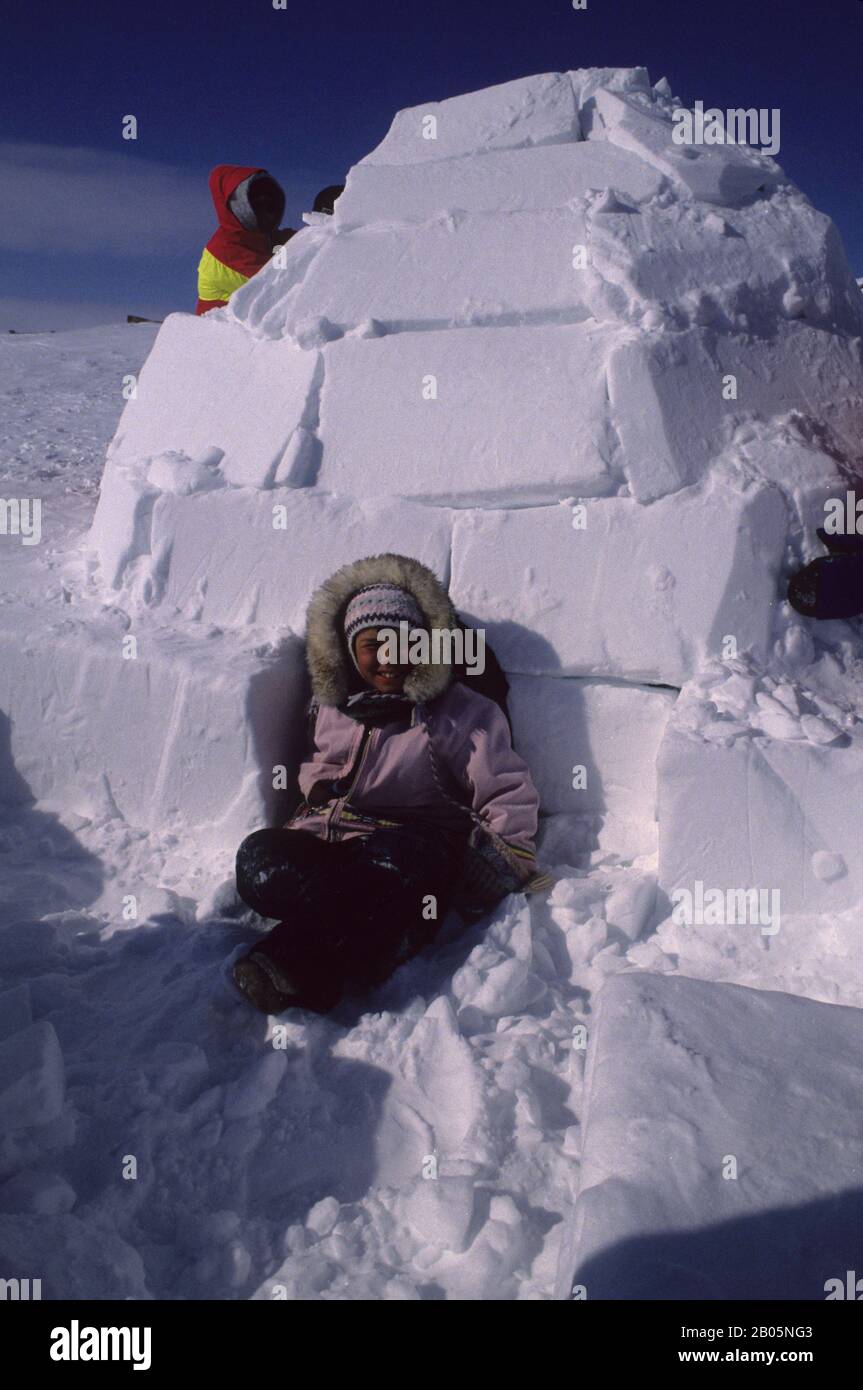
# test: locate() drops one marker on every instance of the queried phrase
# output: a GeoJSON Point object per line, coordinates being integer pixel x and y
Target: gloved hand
{"type": "Point", "coordinates": [321, 792]}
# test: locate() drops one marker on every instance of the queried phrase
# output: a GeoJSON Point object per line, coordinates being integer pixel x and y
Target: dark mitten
{"type": "Point", "coordinates": [279, 870]}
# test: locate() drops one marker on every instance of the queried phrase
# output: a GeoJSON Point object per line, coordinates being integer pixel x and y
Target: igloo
{"type": "Point", "coordinates": [602, 384]}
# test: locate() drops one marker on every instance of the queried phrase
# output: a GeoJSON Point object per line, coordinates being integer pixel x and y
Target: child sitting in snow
{"type": "Point", "coordinates": [414, 800]}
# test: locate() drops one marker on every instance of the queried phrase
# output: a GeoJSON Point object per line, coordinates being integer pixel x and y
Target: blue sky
{"type": "Point", "coordinates": [95, 226]}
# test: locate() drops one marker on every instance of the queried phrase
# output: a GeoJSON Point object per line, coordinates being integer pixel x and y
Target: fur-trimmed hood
{"type": "Point", "coordinates": [330, 667]}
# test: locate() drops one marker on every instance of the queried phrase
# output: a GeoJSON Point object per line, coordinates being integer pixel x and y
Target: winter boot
{"type": "Point", "coordinates": [831, 587]}
{"type": "Point", "coordinates": [263, 984]}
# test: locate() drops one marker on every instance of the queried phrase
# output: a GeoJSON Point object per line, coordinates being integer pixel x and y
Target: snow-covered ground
{"type": "Point", "coordinates": [298, 1165]}
{"type": "Point", "coordinates": [579, 479]}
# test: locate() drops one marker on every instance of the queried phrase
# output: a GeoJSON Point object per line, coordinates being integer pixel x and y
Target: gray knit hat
{"type": "Point", "coordinates": [380, 605]}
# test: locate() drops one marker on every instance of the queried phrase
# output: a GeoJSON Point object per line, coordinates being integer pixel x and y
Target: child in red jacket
{"type": "Point", "coordinates": [249, 205]}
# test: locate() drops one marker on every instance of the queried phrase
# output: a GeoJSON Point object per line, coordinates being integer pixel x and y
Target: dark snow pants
{"type": "Point", "coordinates": [350, 911]}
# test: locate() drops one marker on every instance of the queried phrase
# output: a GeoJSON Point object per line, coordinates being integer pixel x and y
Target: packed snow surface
{"type": "Point", "coordinates": [603, 385]}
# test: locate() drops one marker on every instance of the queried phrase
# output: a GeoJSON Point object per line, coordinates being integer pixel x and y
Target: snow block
{"type": "Point", "coordinates": [209, 384]}
{"type": "Point", "coordinates": [758, 814]}
{"type": "Point", "coordinates": [586, 81]}
{"type": "Point", "coordinates": [669, 408]}
{"type": "Point", "coordinates": [461, 269]}
{"type": "Point", "coordinates": [725, 174]}
{"type": "Point", "coordinates": [538, 110]}
{"type": "Point", "coordinates": [229, 563]}
{"type": "Point", "coordinates": [498, 181]}
{"type": "Point", "coordinates": [440, 1211]}
{"type": "Point", "coordinates": [808, 476]}
{"type": "Point", "coordinates": [469, 416]}
{"type": "Point", "coordinates": [259, 306]}
{"type": "Point", "coordinates": [663, 447]}
{"type": "Point", "coordinates": [745, 271]}
{"type": "Point", "coordinates": [701, 1179]}
{"type": "Point", "coordinates": [32, 1085]}
{"type": "Point", "coordinates": [185, 735]}
{"type": "Point", "coordinates": [644, 593]}
{"type": "Point", "coordinates": [242, 557]}
{"type": "Point", "coordinates": [611, 731]}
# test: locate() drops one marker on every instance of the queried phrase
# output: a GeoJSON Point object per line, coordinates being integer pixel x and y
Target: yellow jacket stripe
{"type": "Point", "coordinates": [215, 279]}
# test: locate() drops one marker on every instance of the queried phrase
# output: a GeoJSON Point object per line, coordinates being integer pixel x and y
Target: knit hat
{"type": "Point", "coordinates": [325, 201]}
{"type": "Point", "coordinates": [380, 605]}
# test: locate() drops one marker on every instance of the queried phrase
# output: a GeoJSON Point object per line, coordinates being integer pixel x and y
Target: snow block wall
{"type": "Point", "coordinates": [554, 354]}
{"type": "Point", "coordinates": [179, 737]}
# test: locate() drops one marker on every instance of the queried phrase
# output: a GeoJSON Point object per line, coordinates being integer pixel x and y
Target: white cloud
{"type": "Point", "coordinates": [80, 200]}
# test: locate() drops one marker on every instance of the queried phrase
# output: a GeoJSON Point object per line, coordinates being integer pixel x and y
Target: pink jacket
{"type": "Point", "coordinates": [454, 752]}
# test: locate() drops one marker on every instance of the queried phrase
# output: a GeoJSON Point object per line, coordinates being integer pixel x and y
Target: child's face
{"type": "Point", "coordinates": [379, 675]}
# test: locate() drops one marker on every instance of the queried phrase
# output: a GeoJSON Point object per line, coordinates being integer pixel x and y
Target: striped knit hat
{"type": "Point", "coordinates": [380, 605]}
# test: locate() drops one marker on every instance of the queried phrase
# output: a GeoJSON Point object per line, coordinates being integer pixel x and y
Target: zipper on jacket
{"type": "Point", "coordinates": [362, 753]}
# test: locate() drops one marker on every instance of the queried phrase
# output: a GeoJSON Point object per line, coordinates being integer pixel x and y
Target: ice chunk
{"type": "Point", "coordinates": [435, 1107]}
{"type": "Point", "coordinates": [819, 730]}
{"type": "Point", "coordinates": [629, 905]}
{"type": "Point", "coordinates": [777, 723]}
{"type": "Point", "coordinates": [440, 1210]}
{"type": "Point", "coordinates": [323, 1216]}
{"type": "Point", "coordinates": [173, 471]}
{"type": "Point", "coordinates": [507, 988]}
